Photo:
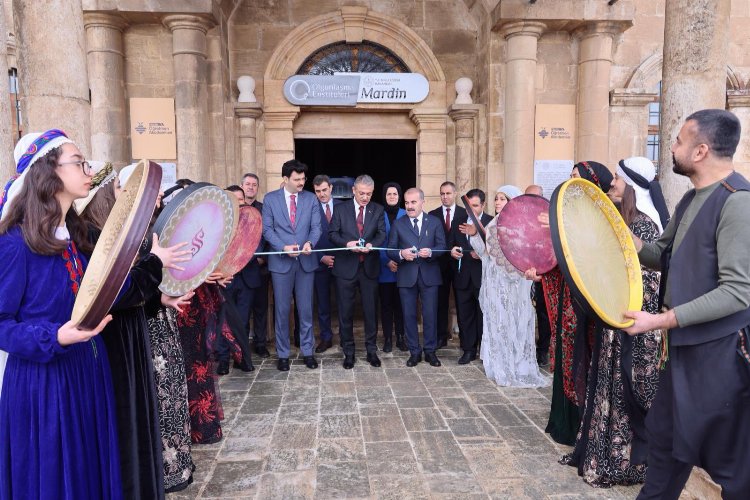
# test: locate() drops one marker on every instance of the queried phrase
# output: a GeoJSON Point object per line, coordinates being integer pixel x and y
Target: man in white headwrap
{"type": "Point", "coordinates": [639, 173]}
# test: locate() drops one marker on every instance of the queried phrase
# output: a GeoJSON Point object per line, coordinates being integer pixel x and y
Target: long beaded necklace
{"type": "Point", "coordinates": [75, 272]}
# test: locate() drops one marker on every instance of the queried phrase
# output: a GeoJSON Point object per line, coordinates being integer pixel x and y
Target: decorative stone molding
{"type": "Point", "coordinates": [428, 118]}
{"type": "Point", "coordinates": [463, 91]}
{"type": "Point", "coordinates": [648, 74]}
{"type": "Point", "coordinates": [738, 98]}
{"type": "Point", "coordinates": [189, 32]}
{"type": "Point", "coordinates": [248, 110]}
{"type": "Point", "coordinates": [632, 97]}
{"type": "Point", "coordinates": [601, 28]}
{"type": "Point", "coordinates": [522, 28]}
{"type": "Point", "coordinates": [354, 23]}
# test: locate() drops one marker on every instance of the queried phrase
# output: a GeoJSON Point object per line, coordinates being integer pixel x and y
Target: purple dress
{"type": "Point", "coordinates": [58, 437]}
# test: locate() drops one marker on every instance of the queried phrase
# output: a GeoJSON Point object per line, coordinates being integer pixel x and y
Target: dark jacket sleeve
{"type": "Point", "coordinates": [144, 279]}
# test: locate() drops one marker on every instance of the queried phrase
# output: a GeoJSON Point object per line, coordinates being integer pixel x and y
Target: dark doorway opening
{"type": "Point", "coordinates": [384, 160]}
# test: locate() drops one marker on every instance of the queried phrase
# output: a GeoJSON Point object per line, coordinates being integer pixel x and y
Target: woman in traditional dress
{"type": "Point", "coordinates": [129, 346]}
{"type": "Point", "coordinates": [611, 445]}
{"type": "Point", "coordinates": [508, 351]}
{"type": "Point", "coordinates": [390, 303]}
{"type": "Point", "coordinates": [58, 433]}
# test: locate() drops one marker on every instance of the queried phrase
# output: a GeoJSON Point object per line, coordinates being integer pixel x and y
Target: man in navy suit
{"type": "Point", "coordinates": [360, 226]}
{"type": "Point", "coordinates": [291, 223]}
{"type": "Point", "coordinates": [418, 235]}
{"type": "Point", "coordinates": [323, 278]}
{"type": "Point", "coordinates": [467, 277]}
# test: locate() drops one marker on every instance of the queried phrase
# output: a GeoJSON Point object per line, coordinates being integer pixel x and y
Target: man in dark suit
{"type": "Point", "coordinates": [323, 276]}
{"type": "Point", "coordinates": [467, 277]}
{"type": "Point", "coordinates": [360, 226]}
{"type": "Point", "coordinates": [418, 274]}
{"type": "Point", "coordinates": [446, 213]}
{"type": "Point", "coordinates": [291, 223]}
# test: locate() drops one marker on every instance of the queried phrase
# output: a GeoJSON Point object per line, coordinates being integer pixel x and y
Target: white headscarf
{"type": "Point", "coordinates": [125, 174]}
{"type": "Point", "coordinates": [510, 191]}
{"type": "Point", "coordinates": [643, 202]}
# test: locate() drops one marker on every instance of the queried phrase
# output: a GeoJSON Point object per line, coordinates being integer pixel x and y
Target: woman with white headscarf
{"type": "Point", "coordinates": [611, 445]}
{"type": "Point", "coordinates": [508, 350]}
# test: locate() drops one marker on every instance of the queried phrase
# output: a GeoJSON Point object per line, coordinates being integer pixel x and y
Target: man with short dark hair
{"type": "Point", "coordinates": [467, 277]}
{"type": "Point", "coordinates": [446, 213]}
{"type": "Point", "coordinates": [701, 410]}
{"type": "Point", "coordinates": [291, 224]}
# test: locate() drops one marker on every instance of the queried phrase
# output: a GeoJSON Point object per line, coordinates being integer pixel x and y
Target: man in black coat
{"type": "Point", "coordinates": [358, 225]}
{"type": "Point", "coordinates": [467, 277]}
{"type": "Point", "coordinates": [446, 213]}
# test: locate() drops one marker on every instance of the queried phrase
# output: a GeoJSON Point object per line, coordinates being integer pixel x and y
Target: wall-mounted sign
{"type": "Point", "coordinates": [348, 89]}
{"type": "Point", "coordinates": [554, 145]}
{"type": "Point", "coordinates": [152, 129]}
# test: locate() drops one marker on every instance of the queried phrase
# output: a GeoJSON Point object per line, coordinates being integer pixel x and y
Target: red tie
{"type": "Point", "coordinates": [447, 220]}
{"type": "Point", "coordinates": [328, 213]}
{"type": "Point", "coordinates": [293, 210]}
{"type": "Point", "coordinates": [361, 227]}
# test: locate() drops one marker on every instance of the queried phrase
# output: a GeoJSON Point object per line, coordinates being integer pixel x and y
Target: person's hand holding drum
{"type": "Point", "coordinates": [169, 256]}
{"type": "Point", "coordinates": [69, 334]}
{"type": "Point", "coordinates": [177, 303]}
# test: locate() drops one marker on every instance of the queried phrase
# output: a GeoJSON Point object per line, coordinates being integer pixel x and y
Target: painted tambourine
{"type": "Point", "coordinates": [523, 240]}
{"type": "Point", "coordinates": [245, 242]}
{"type": "Point", "coordinates": [117, 246]}
{"type": "Point", "coordinates": [595, 251]}
{"type": "Point", "coordinates": [205, 216]}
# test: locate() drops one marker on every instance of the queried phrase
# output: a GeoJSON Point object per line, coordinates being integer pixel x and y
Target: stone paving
{"type": "Point", "coordinates": [385, 433]}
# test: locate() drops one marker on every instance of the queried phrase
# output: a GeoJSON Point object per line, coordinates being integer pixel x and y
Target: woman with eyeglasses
{"type": "Point", "coordinates": [58, 435]}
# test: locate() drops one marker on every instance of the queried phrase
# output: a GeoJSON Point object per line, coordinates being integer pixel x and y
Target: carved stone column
{"type": "Point", "coordinates": [465, 117]}
{"type": "Point", "coordinates": [432, 162]}
{"type": "Point", "coordinates": [106, 69]}
{"type": "Point", "coordinates": [628, 118]}
{"type": "Point", "coordinates": [696, 48]}
{"type": "Point", "coordinates": [739, 104]}
{"type": "Point", "coordinates": [279, 143]}
{"type": "Point", "coordinates": [191, 94]}
{"type": "Point", "coordinates": [52, 68]}
{"type": "Point", "coordinates": [594, 65]}
{"type": "Point", "coordinates": [520, 100]}
{"type": "Point", "coordinates": [247, 115]}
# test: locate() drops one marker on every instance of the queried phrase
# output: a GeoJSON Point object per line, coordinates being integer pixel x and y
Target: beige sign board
{"type": "Point", "coordinates": [554, 145]}
{"type": "Point", "coordinates": [152, 128]}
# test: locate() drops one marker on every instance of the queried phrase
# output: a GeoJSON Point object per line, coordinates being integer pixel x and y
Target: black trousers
{"type": "Point", "coordinates": [700, 417]}
{"type": "Point", "coordinates": [253, 301]}
{"type": "Point", "coordinates": [390, 310]}
{"type": "Point", "coordinates": [346, 295]}
{"type": "Point", "coordinates": [444, 294]}
{"type": "Point", "coordinates": [470, 321]}
{"type": "Point", "coordinates": [542, 319]}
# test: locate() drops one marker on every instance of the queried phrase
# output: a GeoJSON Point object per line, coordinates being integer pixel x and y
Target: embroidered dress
{"type": "Point", "coordinates": [611, 443]}
{"type": "Point", "coordinates": [508, 351]}
{"type": "Point", "coordinates": [58, 435]}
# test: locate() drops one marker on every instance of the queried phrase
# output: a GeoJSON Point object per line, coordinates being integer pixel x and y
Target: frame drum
{"type": "Point", "coordinates": [205, 216]}
{"type": "Point", "coordinates": [523, 240]}
{"type": "Point", "coordinates": [246, 238]}
{"type": "Point", "coordinates": [595, 251]}
{"type": "Point", "coordinates": [118, 245]}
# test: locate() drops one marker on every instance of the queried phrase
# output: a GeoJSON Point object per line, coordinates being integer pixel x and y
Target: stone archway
{"type": "Point", "coordinates": [354, 25]}
{"type": "Point", "coordinates": [648, 74]}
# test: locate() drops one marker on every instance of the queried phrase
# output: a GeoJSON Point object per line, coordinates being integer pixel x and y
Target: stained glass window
{"type": "Point", "coordinates": [342, 57]}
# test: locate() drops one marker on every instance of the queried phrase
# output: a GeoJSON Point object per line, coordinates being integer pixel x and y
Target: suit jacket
{"type": "Point", "coordinates": [278, 231]}
{"type": "Point", "coordinates": [250, 275]}
{"type": "Point", "coordinates": [343, 229]}
{"type": "Point", "coordinates": [431, 235]}
{"type": "Point", "coordinates": [324, 242]}
{"type": "Point", "coordinates": [445, 259]}
{"type": "Point", "coordinates": [471, 269]}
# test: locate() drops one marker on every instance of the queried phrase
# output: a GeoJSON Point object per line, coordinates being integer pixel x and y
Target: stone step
{"type": "Point", "coordinates": [700, 487]}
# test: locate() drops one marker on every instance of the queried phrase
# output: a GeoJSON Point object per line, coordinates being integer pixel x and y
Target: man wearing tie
{"type": "Point", "coordinates": [359, 226]}
{"type": "Point", "coordinates": [446, 212]}
{"type": "Point", "coordinates": [418, 274]}
{"type": "Point", "coordinates": [291, 223]}
{"type": "Point", "coordinates": [323, 281]}
{"type": "Point", "coordinates": [467, 277]}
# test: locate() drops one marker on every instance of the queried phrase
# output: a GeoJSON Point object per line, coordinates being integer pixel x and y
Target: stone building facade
{"type": "Point", "coordinates": [603, 56]}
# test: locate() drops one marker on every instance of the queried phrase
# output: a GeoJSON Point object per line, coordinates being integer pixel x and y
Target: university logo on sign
{"type": "Point", "coordinates": [349, 89]}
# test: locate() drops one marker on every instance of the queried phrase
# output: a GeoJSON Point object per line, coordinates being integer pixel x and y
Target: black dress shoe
{"type": "Point", "coordinates": [223, 368]}
{"type": "Point", "coordinates": [387, 346]}
{"type": "Point", "coordinates": [283, 365]}
{"type": "Point", "coordinates": [348, 362]}
{"type": "Point", "coordinates": [401, 344]}
{"type": "Point", "coordinates": [442, 342]}
{"type": "Point", "coordinates": [373, 359]}
{"type": "Point", "coordinates": [432, 359]}
{"type": "Point", "coordinates": [467, 357]}
{"type": "Point", "coordinates": [323, 346]}
{"type": "Point", "coordinates": [261, 351]}
{"type": "Point", "coordinates": [245, 366]}
{"type": "Point", "coordinates": [311, 362]}
{"type": "Point", "coordinates": [413, 360]}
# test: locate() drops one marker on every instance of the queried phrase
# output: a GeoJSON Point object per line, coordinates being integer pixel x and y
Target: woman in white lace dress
{"type": "Point", "coordinates": [508, 351]}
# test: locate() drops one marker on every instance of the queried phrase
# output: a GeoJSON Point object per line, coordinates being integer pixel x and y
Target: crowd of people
{"type": "Point", "coordinates": [112, 412]}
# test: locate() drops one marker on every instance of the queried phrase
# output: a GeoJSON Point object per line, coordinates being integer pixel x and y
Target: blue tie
{"type": "Point", "coordinates": [416, 227]}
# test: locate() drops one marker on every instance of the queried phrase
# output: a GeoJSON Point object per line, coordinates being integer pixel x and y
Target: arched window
{"type": "Point", "coordinates": [342, 57]}
{"type": "Point", "coordinates": [654, 120]}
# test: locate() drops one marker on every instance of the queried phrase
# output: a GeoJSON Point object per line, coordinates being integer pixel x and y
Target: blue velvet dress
{"type": "Point", "coordinates": [58, 434]}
